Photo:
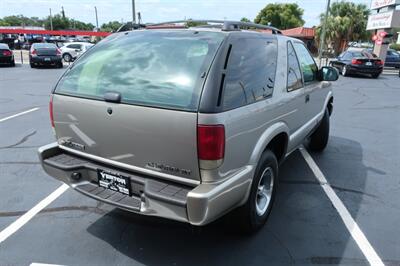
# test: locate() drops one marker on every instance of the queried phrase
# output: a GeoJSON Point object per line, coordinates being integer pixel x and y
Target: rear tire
{"type": "Point", "coordinates": [319, 139]}
{"type": "Point", "coordinates": [32, 65]}
{"type": "Point", "coordinates": [60, 65]}
{"type": "Point", "coordinates": [67, 57]}
{"type": "Point", "coordinates": [255, 212]}
{"type": "Point", "coordinates": [12, 64]}
{"type": "Point", "coordinates": [375, 76]}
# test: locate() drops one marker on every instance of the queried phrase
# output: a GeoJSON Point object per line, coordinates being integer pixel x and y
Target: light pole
{"type": "Point", "coordinates": [133, 13]}
{"type": "Point", "coordinates": [323, 33]}
{"type": "Point", "coordinates": [97, 20]}
{"type": "Point", "coordinates": [51, 21]}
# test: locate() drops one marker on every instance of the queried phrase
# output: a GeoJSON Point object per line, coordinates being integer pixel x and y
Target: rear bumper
{"type": "Point", "coordinates": [150, 196]}
{"type": "Point", "coordinates": [45, 60]}
{"type": "Point", "coordinates": [6, 59]}
{"type": "Point", "coordinates": [364, 70]}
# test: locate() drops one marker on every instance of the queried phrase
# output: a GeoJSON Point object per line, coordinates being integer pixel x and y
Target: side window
{"type": "Point", "coordinates": [250, 73]}
{"type": "Point", "coordinates": [307, 63]}
{"type": "Point", "coordinates": [294, 79]}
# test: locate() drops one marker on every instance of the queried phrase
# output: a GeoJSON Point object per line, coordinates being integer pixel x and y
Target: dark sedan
{"type": "Point", "coordinates": [6, 55]}
{"type": "Point", "coordinates": [358, 62]}
{"type": "Point", "coordinates": [392, 58]}
{"type": "Point", "coordinates": [46, 54]}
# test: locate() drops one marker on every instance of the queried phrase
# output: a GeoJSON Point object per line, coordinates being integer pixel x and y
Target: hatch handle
{"type": "Point", "coordinates": [111, 96]}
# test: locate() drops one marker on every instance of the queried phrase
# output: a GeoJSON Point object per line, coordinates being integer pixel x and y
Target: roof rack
{"type": "Point", "coordinates": [226, 25]}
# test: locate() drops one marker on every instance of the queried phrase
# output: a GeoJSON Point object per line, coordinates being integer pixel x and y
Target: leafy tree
{"type": "Point", "coordinates": [245, 20]}
{"type": "Point", "coordinates": [59, 23]}
{"type": "Point", "coordinates": [282, 16]}
{"type": "Point", "coordinates": [21, 20]}
{"type": "Point", "coordinates": [346, 22]}
{"type": "Point", "coordinates": [111, 26]}
{"type": "Point", "coordinates": [190, 23]}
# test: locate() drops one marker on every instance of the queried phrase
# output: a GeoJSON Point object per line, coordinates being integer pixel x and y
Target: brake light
{"type": "Point", "coordinates": [379, 62]}
{"type": "Point", "coordinates": [58, 51]}
{"type": "Point", "coordinates": [211, 142]}
{"type": "Point", "coordinates": [356, 62]}
{"type": "Point", "coordinates": [33, 52]}
{"type": "Point", "coordinates": [7, 53]}
{"type": "Point", "coordinates": [51, 111]}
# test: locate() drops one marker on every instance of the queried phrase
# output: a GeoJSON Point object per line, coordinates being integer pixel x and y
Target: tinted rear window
{"type": "Point", "coordinates": [150, 68]}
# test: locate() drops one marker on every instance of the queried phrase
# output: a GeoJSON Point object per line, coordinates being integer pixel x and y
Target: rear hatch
{"type": "Point", "coordinates": [155, 80]}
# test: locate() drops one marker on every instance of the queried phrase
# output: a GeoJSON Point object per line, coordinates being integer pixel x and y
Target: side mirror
{"type": "Point", "coordinates": [328, 73]}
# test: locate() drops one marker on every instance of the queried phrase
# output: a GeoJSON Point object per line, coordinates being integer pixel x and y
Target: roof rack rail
{"type": "Point", "coordinates": [226, 25]}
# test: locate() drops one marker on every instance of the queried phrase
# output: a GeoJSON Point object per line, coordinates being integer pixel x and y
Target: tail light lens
{"type": "Point", "coordinates": [58, 51]}
{"type": "Point", "coordinates": [51, 111]}
{"type": "Point", "coordinates": [379, 63]}
{"type": "Point", "coordinates": [211, 143]}
{"type": "Point", "coordinates": [7, 53]}
{"type": "Point", "coordinates": [33, 52]}
{"type": "Point", "coordinates": [356, 62]}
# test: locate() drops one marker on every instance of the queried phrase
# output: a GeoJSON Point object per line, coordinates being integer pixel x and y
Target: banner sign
{"type": "Point", "coordinates": [384, 20]}
{"type": "Point", "coordinates": [375, 4]}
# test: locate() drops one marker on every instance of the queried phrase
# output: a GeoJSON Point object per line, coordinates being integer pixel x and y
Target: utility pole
{"type": "Point", "coordinates": [323, 34]}
{"type": "Point", "coordinates": [63, 12]}
{"type": "Point", "coordinates": [133, 13]}
{"type": "Point", "coordinates": [97, 20]}
{"type": "Point", "coordinates": [51, 21]}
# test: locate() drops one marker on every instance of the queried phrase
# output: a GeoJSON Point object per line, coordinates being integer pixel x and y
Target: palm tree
{"type": "Point", "coordinates": [346, 22]}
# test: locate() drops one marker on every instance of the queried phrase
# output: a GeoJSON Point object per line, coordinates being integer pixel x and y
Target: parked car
{"type": "Point", "coordinates": [188, 124]}
{"type": "Point", "coordinates": [392, 58]}
{"type": "Point", "coordinates": [70, 51]}
{"type": "Point", "coordinates": [6, 55]}
{"type": "Point", "coordinates": [45, 54]}
{"type": "Point", "coordinates": [358, 61]}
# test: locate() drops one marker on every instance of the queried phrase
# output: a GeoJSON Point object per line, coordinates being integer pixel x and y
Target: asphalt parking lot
{"type": "Point", "coordinates": [361, 165]}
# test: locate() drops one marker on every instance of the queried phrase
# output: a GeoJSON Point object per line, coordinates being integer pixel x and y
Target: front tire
{"type": "Point", "coordinates": [319, 139]}
{"type": "Point", "coordinates": [344, 71]}
{"type": "Point", "coordinates": [256, 210]}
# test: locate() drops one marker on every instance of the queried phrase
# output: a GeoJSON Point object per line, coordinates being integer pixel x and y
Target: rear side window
{"type": "Point", "coordinates": [74, 46]}
{"type": "Point", "coordinates": [307, 63]}
{"type": "Point", "coordinates": [150, 68]}
{"type": "Point", "coordinates": [294, 79]}
{"type": "Point", "coordinates": [250, 72]}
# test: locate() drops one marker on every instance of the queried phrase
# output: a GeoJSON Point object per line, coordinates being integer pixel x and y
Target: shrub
{"type": "Point", "coordinates": [395, 46]}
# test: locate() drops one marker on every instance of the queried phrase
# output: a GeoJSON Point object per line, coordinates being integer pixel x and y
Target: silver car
{"type": "Point", "coordinates": [188, 124]}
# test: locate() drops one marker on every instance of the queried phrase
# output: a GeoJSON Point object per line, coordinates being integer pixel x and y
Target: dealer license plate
{"type": "Point", "coordinates": [114, 181]}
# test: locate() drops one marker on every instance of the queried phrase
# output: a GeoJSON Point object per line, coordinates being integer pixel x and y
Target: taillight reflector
{"type": "Point", "coordinates": [51, 111]}
{"type": "Point", "coordinates": [211, 142]}
{"type": "Point", "coordinates": [58, 52]}
{"type": "Point", "coordinates": [379, 62]}
{"type": "Point", "coordinates": [33, 52]}
{"type": "Point", "coordinates": [356, 62]}
{"type": "Point", "coordinates": [7, 53]}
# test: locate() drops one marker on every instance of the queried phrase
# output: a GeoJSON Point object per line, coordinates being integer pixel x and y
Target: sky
{"type": "Point", "coordinates": [157, 10]}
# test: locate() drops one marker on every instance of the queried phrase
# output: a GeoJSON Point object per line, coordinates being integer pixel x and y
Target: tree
{"type": "Point", "coordinates": [59, 23]}
{"type": "Point", "coordinates": [346, 22]}
{"type": "Point", "coordinates": [282, 16]}
{"type": "Point", "coordinates": [245, 20]}
{"type": "Point", "coordinates": [111, 26]}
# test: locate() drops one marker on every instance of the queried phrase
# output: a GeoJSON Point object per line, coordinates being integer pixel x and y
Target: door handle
{"type": "Point", "coordinates": [307, 98]}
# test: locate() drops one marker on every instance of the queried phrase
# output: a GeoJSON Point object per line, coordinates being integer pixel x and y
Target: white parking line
{"type": "Point", "coordinates": [19, 114]}
{"type": "Point", "coordinates": [15, 226]}
{"type": "Point", "coordinates": [355, 231]}
{"type": "Point", "coordinates": [44, 264]}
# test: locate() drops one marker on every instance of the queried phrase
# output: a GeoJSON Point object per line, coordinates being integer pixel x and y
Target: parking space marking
{"type": "Point", "coordinates": [15, 226]}
{"type": "Point", "coordinates": [19, 114]}
{"type": "Point", "coordinates": [355, 231]}
{"type": "Point", "coordinates": [44, 264]}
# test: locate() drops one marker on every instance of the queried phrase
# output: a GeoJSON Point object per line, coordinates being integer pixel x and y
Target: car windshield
{"type": "Point", "coordinates": [151, 68]}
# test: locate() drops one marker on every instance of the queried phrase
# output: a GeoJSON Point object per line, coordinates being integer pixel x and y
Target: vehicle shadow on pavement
{"type": "Point", "coordinates": [302, 228]}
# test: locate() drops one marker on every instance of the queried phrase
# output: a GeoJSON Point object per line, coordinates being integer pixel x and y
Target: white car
{"type": "Point", "coordinates": [71, 51]}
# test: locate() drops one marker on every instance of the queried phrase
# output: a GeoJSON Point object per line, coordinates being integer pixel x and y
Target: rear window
{"type": "Point", "coordinates": [44, 45]}
{"type": "Point", "coordinates": [151, 68]}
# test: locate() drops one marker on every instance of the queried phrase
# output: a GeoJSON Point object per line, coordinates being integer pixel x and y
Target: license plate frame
{"type": "Point", "coordinates": [114, 181]}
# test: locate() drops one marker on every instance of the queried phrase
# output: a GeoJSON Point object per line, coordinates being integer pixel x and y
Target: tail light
{"type": "Point", "coordinates": [210, 145]}
{"type": "Point", "coordinates": [33, 52]}
{"type": "Point", "coordinates": [379, 62]}
{"type": "Point", "coordinates": [356, 62]}
{"type": "Point", "coordinates": [7, 53]}
{"type": "Point", "coordinates": [51, 111]}
{"type": "Point", "coordinates": [58, 52]}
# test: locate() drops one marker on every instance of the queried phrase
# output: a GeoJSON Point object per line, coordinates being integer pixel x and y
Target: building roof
{"type": "Point", "coordinates": [300, 32]}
